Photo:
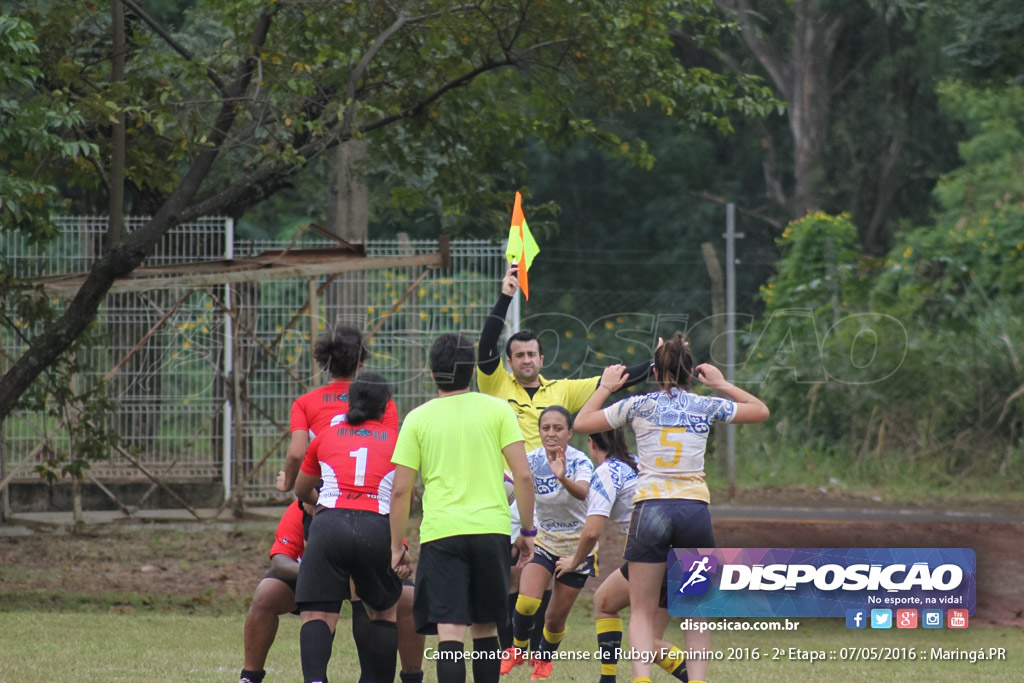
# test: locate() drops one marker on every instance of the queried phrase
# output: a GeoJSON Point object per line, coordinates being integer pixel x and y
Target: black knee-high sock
{"type": "Point", "coordinates": [451, 666]}
{"type": "Point", "coordinates": [315, 641]}
{"type": "Point", "coordinates": [486, 669]}
{"type": "Point", "coordinates": [539, 619]}
{"type": "Point", "coordinates": [382, 650]}
{"type": "Point", "coordinates": [505, 629]}
{"type": "Point", "coordinates": [411, 677]}
{"type": "Point", "coordinates": [360, 636]}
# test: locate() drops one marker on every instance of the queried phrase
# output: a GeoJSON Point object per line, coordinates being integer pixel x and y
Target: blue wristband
{"type": "Point", "coordinates": [529, 533]}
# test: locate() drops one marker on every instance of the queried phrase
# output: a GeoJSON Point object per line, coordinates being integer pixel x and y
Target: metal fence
{"type": "Point", "coordinates": [170, 356]}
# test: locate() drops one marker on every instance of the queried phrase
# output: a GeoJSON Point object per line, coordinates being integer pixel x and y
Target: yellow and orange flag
{"type": "Point", "coordinates": [521, 246]}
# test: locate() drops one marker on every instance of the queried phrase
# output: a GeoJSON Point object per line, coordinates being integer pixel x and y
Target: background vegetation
{"type": "Point", "coordinates": [877, 167]}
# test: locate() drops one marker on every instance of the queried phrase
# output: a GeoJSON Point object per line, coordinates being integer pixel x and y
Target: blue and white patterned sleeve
{"type": "Point", "coordinates": [619, 414]}
{"type": "Point", "coordinates": [725, 410]}
{"type": "Point", "coordinates": [602, 493]}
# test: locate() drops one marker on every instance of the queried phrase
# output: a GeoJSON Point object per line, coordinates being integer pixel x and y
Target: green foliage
{"type": "Point", "coordinates": [821, 353]}
{"type": "Point", "coordinates": [76, 412]}
{"type": "Point", "coordinates": [447, 95]}
{"type": "Point", "coordinates": [34, 133]}
{"type": "Point", "coordinates": [986, 45]}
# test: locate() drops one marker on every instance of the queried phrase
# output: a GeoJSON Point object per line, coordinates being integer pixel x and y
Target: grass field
{"type": "Point", "coordinates": [172, 646]}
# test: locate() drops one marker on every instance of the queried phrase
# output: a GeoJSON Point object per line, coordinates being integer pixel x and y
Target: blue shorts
{"type": "Point", "coordinates": [657, 526]}
{"type": "Point", "coordinates": [574, 579]}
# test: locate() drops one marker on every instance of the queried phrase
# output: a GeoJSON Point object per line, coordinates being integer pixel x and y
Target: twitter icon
{"type": "Point", "coordinates": [881, 618]}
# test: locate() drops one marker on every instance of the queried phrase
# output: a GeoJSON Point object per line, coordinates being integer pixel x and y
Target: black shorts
{"type": "Point", "coordinates": [571, 579]}
{"type": "Point", "coordinates": [657, 526]}
{"type": "Point", "coordinates": [288, 582]}
{"type": "Point", "coordinates": [462, 580]}
{"type": "Point", "coordinates": [346, 544]}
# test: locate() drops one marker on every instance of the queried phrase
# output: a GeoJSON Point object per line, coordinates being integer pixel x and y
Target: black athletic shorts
{"type": "Point", "coordinates": [657, 526]}
{"type": "Point", "coordinates": [288, 582]}
{"type": "Point", "coordinates": [571, 579]}
{"type": "Point", "coordinates": [346, 544]}
{"type": "Point", "coordinates": [462, 580]}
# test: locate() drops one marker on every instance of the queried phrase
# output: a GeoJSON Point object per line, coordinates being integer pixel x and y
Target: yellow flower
{"type": "Point", "coordinates": [608, 324]}
{"type": "Point", "coordinates": [568, 333]}
{"type": "Point", "coordinates": [370, 309]}
{"type": "Point", "coordinates": [907, 252]}
{"type": "Point", "coordinates": [187, 344]}
{"type": "Point", "coordinates": [565, 366]}
{"type": "Point", "coordinates": [630, 350]}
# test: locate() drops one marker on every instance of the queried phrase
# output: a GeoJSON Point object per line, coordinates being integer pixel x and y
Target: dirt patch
{"type": "Point", "coordinates": [216, 569]}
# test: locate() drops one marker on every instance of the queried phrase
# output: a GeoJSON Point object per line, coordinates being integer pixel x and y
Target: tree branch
{"type": "Point", "coordinates": [122, 259]}
{"type": "Point", "coordinates": [765, 52]}
{"type": "Point", "coordinates": [174, 45]}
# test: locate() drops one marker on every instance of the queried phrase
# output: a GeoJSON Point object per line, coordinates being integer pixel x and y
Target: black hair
{"type": "Point", "coordinates": [368, 397]}
{"type": "Point", "coordinates": [452, 359]}
{"type": "Point", "coordinates": [522, 336]}
{"type": "Point", "coordinates": [614, 444]}
{"type": "Point", "coordinates": [557, 409]}
{"type": "Point", "coordinates": [674, 363]}
{"type": "Point", "coordinates": [341, 351]}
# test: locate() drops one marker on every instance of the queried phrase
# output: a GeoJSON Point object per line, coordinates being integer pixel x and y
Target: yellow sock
{"type": "Point", "coordinates": [671, 661]}
{"type": "Point", "coordinates": [608, 624]}
{"type": "Point", "coordinates": [554, 638]}
{"type": "Point", "coordinates": [642, 679]}
{"type": "Point", "coordinates": [527, 605]}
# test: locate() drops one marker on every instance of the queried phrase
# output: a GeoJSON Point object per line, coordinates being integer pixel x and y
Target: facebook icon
{"type": "Point", "coordinates": [856, 618]}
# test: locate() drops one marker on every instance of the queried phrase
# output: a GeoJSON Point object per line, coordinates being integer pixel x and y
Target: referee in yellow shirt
{"type": "Point", "coordinates": [529, 393]}
{"type": "Point", "coordinates": [525, 389]}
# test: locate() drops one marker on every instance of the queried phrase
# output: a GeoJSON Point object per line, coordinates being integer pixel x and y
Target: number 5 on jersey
{"type": "Point", "coordinates": [671, 437]}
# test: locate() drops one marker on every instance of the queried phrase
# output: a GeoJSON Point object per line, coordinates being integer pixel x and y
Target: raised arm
{"type": "Point", "coordinates": [488, 355]}
{"type": "Point", "coordinates": [591, 418]}
{"type": "Point", "coordinates": [749, 408]}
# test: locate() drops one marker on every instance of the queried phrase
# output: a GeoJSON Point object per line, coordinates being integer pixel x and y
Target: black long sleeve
{"type": "Point", "coordinates": [488, 356]}
{"type": "Point", "coordinates": [637, 373]}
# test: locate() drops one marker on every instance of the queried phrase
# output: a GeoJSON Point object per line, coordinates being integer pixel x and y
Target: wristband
{"type": "Point", "coordinates": [529, 533]}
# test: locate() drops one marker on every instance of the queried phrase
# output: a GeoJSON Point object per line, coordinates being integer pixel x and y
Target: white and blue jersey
{"type": "Point", "coordinates": [559, 515]}
{"type": "Point", "coordinates": [611, 492]}
{"type": "Point", "coordinates": [671, 436]}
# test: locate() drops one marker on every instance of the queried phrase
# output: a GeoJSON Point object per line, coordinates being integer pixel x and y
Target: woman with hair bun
{"type": "Point", "coordinates": [341, 352]}
{"type": "Point", "coordinates": [350, 536]}
{"type": "Point", "coordinates": [671, 502]}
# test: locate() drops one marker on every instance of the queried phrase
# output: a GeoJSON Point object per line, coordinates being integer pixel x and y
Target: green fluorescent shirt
{"type": "Point", "coordinates": [455, 443]}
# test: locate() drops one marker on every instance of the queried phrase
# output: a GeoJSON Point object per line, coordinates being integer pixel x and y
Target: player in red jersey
{"type": "Point", "coordinates": [275, 593]}
{"type": "Point", "coordinates": [350, 536]}
{"type": "Point", "coordinates": [342, 353]}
